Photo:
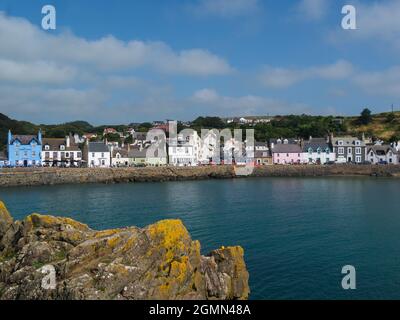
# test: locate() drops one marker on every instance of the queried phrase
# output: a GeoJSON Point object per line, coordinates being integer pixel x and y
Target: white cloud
{"type": "Point", "coordinates": [378, 24]}
{"type": "Point", "coordinates": [243, 105]}
{"type": "Point", "coordinates": [22, 41]}
{"type": "Point", "coordinates": [226, 8]}
{"type": "Point", "coordinates": [35, 72]}
{"type": "Point", "coordinates": [313, 9]}
{"type": "Point", "coordinates": [282, 78]}
{"type": "Point", "coordinates": [386, 82]}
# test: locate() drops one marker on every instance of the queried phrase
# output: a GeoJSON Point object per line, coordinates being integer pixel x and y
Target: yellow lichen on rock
{"type": "Point", "coordinates": [39, 220]}
{"type": "Point", "coordinates": [4, 214]}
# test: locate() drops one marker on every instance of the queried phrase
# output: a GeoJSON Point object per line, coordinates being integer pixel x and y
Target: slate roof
{"type": "Point", "coordinates": [24, 139]}
{"type": "Point", "coordinates": [348, 141]}
{"type": "Point", "coordinates": [262, 154]}
{"type": "Point", "coordinates": [286, 148]}
{"type": "Point", "coordinates": [98, 147]}
{"type": "Point", "coordinates": [55, 145]}
{"type": "Point", "coordinates": [381, 150]}
{"type": "Point", "coordinates": [122, 152]}
{"type": "Point", "coordinates": [316, 143]}
{"type": "Point", "coordinates": [136, 153]}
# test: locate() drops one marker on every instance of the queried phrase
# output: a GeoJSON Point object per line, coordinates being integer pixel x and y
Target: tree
{"type": "Point", "coordinates": [365, 117]}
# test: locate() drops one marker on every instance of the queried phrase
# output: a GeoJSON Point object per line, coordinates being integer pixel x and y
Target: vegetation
{"type": "Point", "coordinates": [385, 126]}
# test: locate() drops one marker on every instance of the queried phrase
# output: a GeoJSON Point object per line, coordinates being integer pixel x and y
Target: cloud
{"type": "Point", "coordinates": [243, 105]}
{"type": "Point", "coordinates": [34, 72]}
{"type": "Point", "coordinates": [378, 24]}
{"type": "Point", "coordinates": [273, 77]}
{"type": "Point", "coordinates": [22, 41]}
{"type": "Point", "coordinates": [313, 9]}
{"type": "Point", "coordinates": [386, 82]}
{"type": "Point", "coordinates": [226, 8]}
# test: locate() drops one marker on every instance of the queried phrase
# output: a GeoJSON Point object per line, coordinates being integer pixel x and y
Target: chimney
{"type": "Point", "coordinates": [68, 141]}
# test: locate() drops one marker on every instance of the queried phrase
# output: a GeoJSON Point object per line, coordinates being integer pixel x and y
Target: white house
{"type": "Point", "coordinates": [381, 153]}
{"type": "Point", "coordinates": [184, 151]}
{"type": "Point", "coordinates": [61, 152]}
{"type": "Point", "coordinates": [120, 157]}
{"type": "Point", "coordinates": [98, 155]}
{"type": "Point", "coordinates": [317, 151]}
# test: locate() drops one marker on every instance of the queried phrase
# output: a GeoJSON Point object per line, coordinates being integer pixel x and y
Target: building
{"type": "Point", "coordinates": [24, 150]}
{"type": "Point", "coordinates": [137, 157]}
{"type": "Point", "coordinates": [97, 155]}
{"type": "Point", "coordinates": [120, 157]}
{"type": "Point", "coordinates": [349, 149]}
{"type": "Point", "coordinates": [286, 151]}
{"type": "Point", "coordinates": [262, 154]}
{"type": "Point", "coordinates": [3, 160]}
{"type": "Point", "coordinates": [317, 151]}
{"type": "Point", "coordinates": [61, 152]}
{"type": "Point", "coordinates": [382, 154]}
{"type": "Point", "coordinates": [183, 152]}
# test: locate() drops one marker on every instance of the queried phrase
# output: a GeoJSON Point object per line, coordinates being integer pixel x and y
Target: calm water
{"type": "Point", "coordinates": [297, 233]}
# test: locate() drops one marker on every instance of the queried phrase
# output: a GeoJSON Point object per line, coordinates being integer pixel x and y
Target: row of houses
{"type": "Point", "coordinates": [192, 150]}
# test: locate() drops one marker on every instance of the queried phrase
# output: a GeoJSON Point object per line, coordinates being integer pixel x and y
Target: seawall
{"type": "Point", "coordinates": [54, 176]}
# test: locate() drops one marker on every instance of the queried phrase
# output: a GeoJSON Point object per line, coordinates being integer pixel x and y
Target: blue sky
{"type": "Point", "coordinates": [131, 61]}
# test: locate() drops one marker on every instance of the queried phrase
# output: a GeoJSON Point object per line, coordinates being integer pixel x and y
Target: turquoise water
{"type": "Point", "coordinates": [297, 233]}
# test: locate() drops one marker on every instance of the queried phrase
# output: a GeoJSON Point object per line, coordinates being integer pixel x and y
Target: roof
{"type": "Point", "coordinates": [98, 147]}
{"type": "Point", "coordinates": [24, 139]}
{"type": "Point", "coordinates": [381, 150]}
{"type": "Point", "coordinates": [282, 140]}
{"type": "Point", "coordinates": [122, 152]}
{"type": "Point", "coordinates": [136, 153]}
{"type": "Point", "coordinates": [315, 143]}
{"type": "Point", "coordinates": [260, 144]}
{"type": "Point", "coordinates": [286, 148]}
{"type": "Point", "coordinates": [347, 141]}
{"type": "Point", "coordinates": [262, 154]}
{"type": "Point", "coordinates": [55, 144]}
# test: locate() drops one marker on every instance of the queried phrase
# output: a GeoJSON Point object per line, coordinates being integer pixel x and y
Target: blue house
{"type": "Point", "coordinates": [24, 150]}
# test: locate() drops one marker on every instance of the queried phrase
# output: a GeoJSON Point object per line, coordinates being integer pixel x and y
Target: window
{"type": "Point", "coordinates": [55, 155]}
{"type": "Point", "coordinates": [341, 150]}
{"type": "Point", "coordinates": [93, 155]}
{"type": "Point", "coordinates": [349, 150]}
{"type": "Point", "coordinates": [79, 154]}
{"type": "Point", "coordinates": [47, 154]}
{"type": "Point", "coordinates": [310, 150]}
{"type": "Point", "coordinates": [358, 150]}
{"type": "Point", "coordinates": [340, 143]}
{"type": "Point", "coordinates": [33, 154]}
{"type": "Point", "coordinates": [62, 147]}
{"type": "Point", "coordinates": [358, 159]}
{"type": "Point", "coordinates": [62, 154]}
{"type": "Point", "coordinates": [319, 150]}
{"type": "Point", "coordinates": [102, 154]}
{"type": "Point", "coordinates": [358, 143]}
{"type": "Point", "coordinates": [25, 153]}
{"type": "Point", "coordinates": [46, 147]}
{"type": "Point", "coordinates": [67, 154]}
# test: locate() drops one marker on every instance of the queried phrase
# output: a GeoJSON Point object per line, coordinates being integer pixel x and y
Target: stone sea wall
{"type": "Point", "coordinates": [54, 176]}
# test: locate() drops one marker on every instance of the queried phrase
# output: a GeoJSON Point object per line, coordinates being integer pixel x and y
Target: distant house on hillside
{"type": "Point", "coordinates": [24, 150]}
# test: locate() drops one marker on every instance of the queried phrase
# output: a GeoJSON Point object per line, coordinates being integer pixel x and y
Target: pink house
{"type": "Point", "coordinates": [286, 153]}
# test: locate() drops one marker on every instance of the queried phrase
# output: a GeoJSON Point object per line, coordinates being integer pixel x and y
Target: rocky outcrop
{"type": "Point", "coordinates": [54, 176]}
{"type": "Point", "coordinates": [45, 257]}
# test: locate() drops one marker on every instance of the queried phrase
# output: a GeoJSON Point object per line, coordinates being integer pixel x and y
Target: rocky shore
{"type": "Point", "coordinates": [54, 176]}
{"type": "Point", "coordinates": [160, 261]}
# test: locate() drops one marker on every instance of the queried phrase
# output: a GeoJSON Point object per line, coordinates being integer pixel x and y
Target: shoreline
{"type": "Point", "coordinates": [59, 176]}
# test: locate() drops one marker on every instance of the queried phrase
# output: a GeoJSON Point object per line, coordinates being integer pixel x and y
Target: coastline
{"type": "Point", "coordinates": [57, 176]}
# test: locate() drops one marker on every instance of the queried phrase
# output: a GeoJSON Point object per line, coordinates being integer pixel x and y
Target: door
{"type": "Point", "coordinates": [25, 163]}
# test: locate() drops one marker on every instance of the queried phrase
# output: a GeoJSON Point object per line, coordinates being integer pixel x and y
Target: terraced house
{"type": "Point", "coordinates": [349, 149]}
{"type": "Point", "coordinates": [382, 154]}
{"type": "Point", "coordinates": [317, 151]}
{"type": "Point", "coordinates": [24, 150]}
{"type": "Point", "coordinates": [61, 153]}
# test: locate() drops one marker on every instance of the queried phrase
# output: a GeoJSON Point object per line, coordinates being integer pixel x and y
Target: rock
{"type": "Point", "coordinates": [160, 261]}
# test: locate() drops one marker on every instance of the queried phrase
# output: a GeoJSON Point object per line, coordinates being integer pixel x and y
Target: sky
{"type": "Point", "coordinates": [124, 61]}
